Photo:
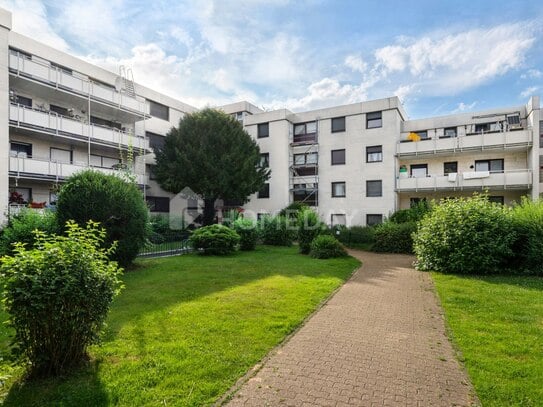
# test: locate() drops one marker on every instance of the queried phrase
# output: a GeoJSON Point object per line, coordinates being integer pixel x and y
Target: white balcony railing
{"type": "Point", "coordinates": [456, 144]}
{"type": "Point", "coordinates": [44, 72]}
{"type": "Point", "coordinates": [43, 168]}
{"type": "Point", "coordinates": [482, 180]}
{"type": "Point", "coordinates": [23, 116]}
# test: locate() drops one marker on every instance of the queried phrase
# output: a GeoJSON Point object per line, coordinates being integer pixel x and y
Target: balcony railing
{"type": "Point", "coordinates": [44, 72]}
{"type": "Point", "coordinates": [50, 122]}
{"type": "Point", "coordinates": [505, 139]}
{"type": "Point", "coordinates": [473, 180]}
{"type": "Point", "coordinates": [33, 168]}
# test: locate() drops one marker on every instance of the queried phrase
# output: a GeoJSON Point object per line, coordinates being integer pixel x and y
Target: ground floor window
{"type": "Point", "coordinates": [158, 204]}
{"type": "Point", "coordinates": [339, 219]}
{"type": "Point", "coordinates": [374, 219]}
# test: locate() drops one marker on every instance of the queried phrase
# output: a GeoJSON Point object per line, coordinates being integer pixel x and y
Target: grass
{"type": "Point", "coordinates": [497, 324]}
{"type": "Point", "coordinates": [186, 328]}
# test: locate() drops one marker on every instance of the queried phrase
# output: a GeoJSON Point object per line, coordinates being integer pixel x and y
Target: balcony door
{"type": "Point", "coordinates": [494, 166]}
{"type": "Point", "coordinates": [61, 156]}
{"type": "Point", "coordinates": [419, 170]}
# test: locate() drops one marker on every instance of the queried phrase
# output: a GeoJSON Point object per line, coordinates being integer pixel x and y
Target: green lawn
{"type": "Point", "coordinates": [497, 324]}
{"type": "Point", "coordinates": [186, 328]}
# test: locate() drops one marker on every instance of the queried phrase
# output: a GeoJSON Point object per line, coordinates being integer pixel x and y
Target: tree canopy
{"type": "Point", "coordinates": [213, 155]}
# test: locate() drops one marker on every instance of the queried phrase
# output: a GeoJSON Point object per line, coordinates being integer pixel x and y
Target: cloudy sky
{"type": "Point", "coordinates": [438, 57]}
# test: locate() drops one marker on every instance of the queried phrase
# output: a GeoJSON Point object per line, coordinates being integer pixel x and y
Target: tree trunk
{"type": "Point", "coordinates": [209, 211]}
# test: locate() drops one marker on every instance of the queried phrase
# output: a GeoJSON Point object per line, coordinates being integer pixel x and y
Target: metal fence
{"type": "Point", "coordinates": [165, 249]}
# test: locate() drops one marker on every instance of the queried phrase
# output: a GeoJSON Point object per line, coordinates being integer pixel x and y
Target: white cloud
{"type": "Point", "coordinates": [530, 91]}
{"type": "Point", "coordinates": [532, 74]}
{"type": "Point", "coordinates": [463, 107]}
{"type": "Point", "coordinates": [356, 63]}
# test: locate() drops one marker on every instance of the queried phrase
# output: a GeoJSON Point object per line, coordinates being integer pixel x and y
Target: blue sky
{"type": "Point", "coordinates": [439, 57]}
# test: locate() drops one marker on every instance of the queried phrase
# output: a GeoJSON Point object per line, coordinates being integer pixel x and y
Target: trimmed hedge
{"type": "Point", "coordinates": [278, 230]}
{"type": "Point", "coordinates": [325, 247]}
{"type": "Point", "coordinates": [355, 235]}
{"type": "Point", "coordinates": [393, 237]}
{"type": "Point", "coordinates": [309, 227]}
{"type": "Point", "coordinates": [216, 240]}
{"type": "Point", "coordinates": [528, 226]}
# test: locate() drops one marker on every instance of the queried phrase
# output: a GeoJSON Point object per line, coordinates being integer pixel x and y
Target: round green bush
{"type": "Point", "coordinates": [393, 237]}
{"type": "Point", "coordinates": [413, 214]}
{"type": "Point", "coordinates": [465, 235]}
{"type": "Point", "coordinates": [246, 229]}
{"type": "Point", "coordinates": [355, 235]}
{"type": "Point", "coordinates": [20, 228]}
{"type": "Point", "coordinates": [116, 204]}
{"type": "Point", "coordinates": [309, 227]}
{"type": "Point", "coordinates": [278, 230]}
{"type": "Point", "coordinates": [58, 295]}
{"type": "Point", "coordinates": [325, 247]}
{"type": "Point", "coordinates": [528, 226]}
{"type": "Point", "coordinates": [216, 240]}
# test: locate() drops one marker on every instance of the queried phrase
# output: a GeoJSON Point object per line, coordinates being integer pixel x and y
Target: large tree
{"type": "Point", "coordinates": [213, 155]}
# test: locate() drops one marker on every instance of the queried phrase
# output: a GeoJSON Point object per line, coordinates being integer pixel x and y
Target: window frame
{"type": "Point", "coordinates": [371, 118]}
{"type": "Point", "coordinates": [61, 149]}
{"type": "Point", "coordinates": [26, 101]}
{"type": "Point", "coordinates": [155, 200]}
{"type": "Point", "coordinates": [371, 182]}
{"type": "Point", "coordinates": [368, 153]}
{"type": "Point", "coordinates": [27, 146]}
{"type": "Point", "coordinates": [264, 160]}
{"type": "Point", "coordinates": [416, 167]}
{"type": "Point", "coordinates": [264, 193]}
{"type": "Point", "coordinates": [336, 183]}
{"type": "Point", "coordinates": [155, 136]}
{"type": "Point", "coordinates": [165, 115]}
{"type": "Point", "coordinates": [337, 151]}
{"type": "Point", "coordinates": [368, 223]}
{"type": "Point", "coordinates": [332, 223]}
{"type": "Point", "coordinates": [341, 128]}
{"type": "Point", "coordinates": [260, 133]}
{"type": "Point", "coordinates": [445, 172]}
{"type": "Point", "coordinates": [454, 129]}
{"type": "Point", "coordinates": [490, 161]}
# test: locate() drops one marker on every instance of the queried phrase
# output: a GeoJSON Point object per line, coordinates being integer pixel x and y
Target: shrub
{"type": "Point", "coordinates": [465, 235]}
{"type": "Point", "coordinates": [21, 227]}
{"type": "Point", "coordinates": [393, 237]}
{"type": "Point", "coordinates": [230, 217]}
{"type": "Point", "coordinates": [160, 232]}
{"type": "Point", "coordinates": [528, 226]}
{"type": "Point", "coordinates": [309, 227]}
{"type": "Point", "coordinates": [355, 235]}
{"type": "Point", "coordinates": [58, 295]}
{"type": "Point", "coordinates": [117, 204]}
{"type": "Point", "coordinates": [325, 247]}
{"type": "Point", "coordinates": [292, 210]}
{"type": "Point", "coordinates": [413, 214]}
{"type": "Point", "coordinates": [216, 240]}
{"type": "Point", "coordinates": [246, 229]}
{"type": "Point", "coordinates": [278, 230]}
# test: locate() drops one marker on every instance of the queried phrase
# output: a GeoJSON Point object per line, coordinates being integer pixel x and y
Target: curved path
{"type": "Point", "coordinates": [380, 340]}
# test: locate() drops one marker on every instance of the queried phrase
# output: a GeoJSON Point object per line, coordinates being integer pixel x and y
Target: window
{"type": "Point", "coordinates": [374, 120]}
{"type": "Point", "coordinates": [338, 124]}
{"type": "Point", "coordinates": [496, 199]}
{"type": "Point", "coordinates": [338, 157]}
{"type": "Point", "coordinates": [449, 132]}
{"type": "Point", "coordinates": [22, 150]}
{"type": "Point", "coordinates": [263, 130]}
{"type": "Point", "coordinates": [374, 188]}
{"type": "Point", "coordinates": [305, 132]}
{"type": "Point", "coordinates": [105, 123]}
{"type": "Point", "coordinates": [264, 192]}
{"type": "Point", "coordinates": [26, 194]}
{"type": "Point", "coordinates": [151, 171]}
{"type": "Point", "coordinates": [482, 127]}
{"type": "Point", "coordinates": [156, 141]}
{"type": "Point", "coordinates": [59, 109]}
{"type": "Point", "coordinates": [374, 154]}
{"type": "Point", "coordinates": [265, 160]}
{"type": "Point", "coordinates": [419, 170]}
{"type": "Point", "coordinates": [22, 100]}
{"type": "Point", "coordinates": [450, 167]}
{"type": "Point", "coordinates": [306, 159]}
{"type": "Point", "coordinates": [306, 193]}
{"type": "Point", "coordinates": [60, 155]}
{"type": "Point", "coordinates": [104, 162]}
{"type": "Point", "coordinates": [158, 110]}
{"type": "Point", "coordinates": [415, 201]}
{"type": "Point", "coordinates": [423, 134]}
{"type": "Point", "coordinates": [61, 68]}
{"type": "Point", "coordinates": [493, 166]}
{"type": "Point", "coordinates": [374, 219]}
{"type": "Point", "coordinates": [513, 120]}
{"type": "Point", "coordinates": [339, 219]}
{"type": "Point", "coordinates": [338, 190]}
{"type": "Point", "coordinates": [158, 204]}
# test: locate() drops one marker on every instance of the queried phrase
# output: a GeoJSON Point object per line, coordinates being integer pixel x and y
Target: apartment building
{"type": "Point", "coordinates": [355, 164]}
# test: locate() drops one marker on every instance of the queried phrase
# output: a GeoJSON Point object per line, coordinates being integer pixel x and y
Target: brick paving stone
{"type": "Point", "coordinates": [379, 341]}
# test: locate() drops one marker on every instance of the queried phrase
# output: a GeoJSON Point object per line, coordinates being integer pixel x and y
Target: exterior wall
{"type": "Point", "coordinates": [5, 27]}
{"type": "Point", "coordinates": [510, 196]}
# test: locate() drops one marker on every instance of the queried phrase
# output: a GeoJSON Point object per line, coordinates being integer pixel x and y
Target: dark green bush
{"type": "Point", "coordinates": [309, 227]}
{"type": "Point", "coordinates": [393, 237]}
{"type": "Point", "coordinates": [160, 232]}
{"type": "Point", "coordinates": [292, 210]}
{"type": "Point", "coordinates": [278, 230]}
{"type": "Point", "coordinates": [246, 229]}
{"type": "Point", "coordinates": [355, 235]}
{"type": "Point", "coordinates": [20, 228]}
{"type": "Point", "coordinates": [117, 204]}
{"type": "Point", "coordinates": [465, 235]}
{"type": "Point", "coordinates": [528, 226]}
{"type": "Point", "coordinates": [216, 240]}
{"type": "Point", "coordinates": [413, 214]}
{"type": "Point", "coordinates": [325, 247]}
{"type": "Point", "coordinates": [58, 295]}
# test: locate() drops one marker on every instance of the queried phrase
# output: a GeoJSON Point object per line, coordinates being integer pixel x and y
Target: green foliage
{"type": "Point", "coordinates": [309, 227]}
{"type": "Point", "coordinates": [246, 229]}
{"type": "Point", "coordinates": [230, 217]}
{"type": "Point", "coordinates": [58, 296]}
{"type": "Point", "coordinates": [355, 235]}
{"type": "Point", "coordinates": [213, 155]}
{"type": "Point", "coordinates": [21, 227]}
{"type": "Point", "coordinates": [325, 247]}
{"type": "Point", "coordinates": [216, 240]}
{"type": "Point", "coordinates": [528, 226]}
{"type": "Point", "coordinates": [278, 230]}
{"type": "Point", "coordinates": [160, 232]}
{"type": "Point", "coordinates": [465, 235]}
{"type": "Point", "coordinates": [292, 210]}
{"type": "Point", "coordinates": [413, 214]}
{"type": "Point", "coordinates": [116, 204]}
{"type": "Point", "coordinates": [393, 237]}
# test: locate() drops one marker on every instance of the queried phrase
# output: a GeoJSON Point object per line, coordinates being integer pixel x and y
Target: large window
{"type": "Point", "coordinates": [306, 159]}
{"type": "Point", "coordinates": [419, 170]}
{"type": "Point", "coordinates": [305, 132]}
{"type": "Point", "coordinates": [104, 122]}
{"type": "Point", "coordinates": [60, 155]}
{"type": "Point", "coordinates": [374, 188]}
{"type": "Point", "coordinates": [338, 190]}
{"type": "Point", "coordinates": [104, 162]}
{"type": "Point", "coordinates": [158, 204]}
{"type": "Point", "coordinates": [449, 132]}
{"type": "Point", "coordinates": [158, 110]}
{"type": "Point", "coordinates": [265, 160]}
{"type": "Point", "coordinates": [338, 157]}
{"type": "Point", "coordinates": [450, 167]}
{"type": "Point", "coordinates": [23, 150]}
{"type": "Point", "coordinates": [339, 219]}
{"type": "Point", "coordinates": [374, 219]}
{"type": "Point", "coordinates": [374, 120]}
{"type": "Point", "coordinates": [59, 110]}
{"type": "Point", "coordinates": [22, 100]}
{"type": "Point", "coordinates": [264, 192]}
{"type": "Point", "coordinates": [494, 166]}
{"type": "Point", "coordinates": [338, 124]}
{"type": "Point", "coordinates": [156, 141]}
{"type": "Point", "coordinates": [306, 193]}
{"type": "Point", "coordinates": [374, 154]}
{"type": "Point", "coordinates": [263, 130]}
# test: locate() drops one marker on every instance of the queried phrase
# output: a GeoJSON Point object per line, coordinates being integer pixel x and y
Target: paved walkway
{"type": "Point", "coordinates": [379, 341]}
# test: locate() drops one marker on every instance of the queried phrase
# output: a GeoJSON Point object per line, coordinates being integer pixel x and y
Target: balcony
{"type": "Point", "coordinates": [515, 179]}
{"type": "Point", "coordinates": [480, 141]}
{"type": "Point", "coordinates": [22, 65]}
{"type": "Point", "coordinates": [52, 123]}
{"type": "Point", "coordinates": [43, 169]}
